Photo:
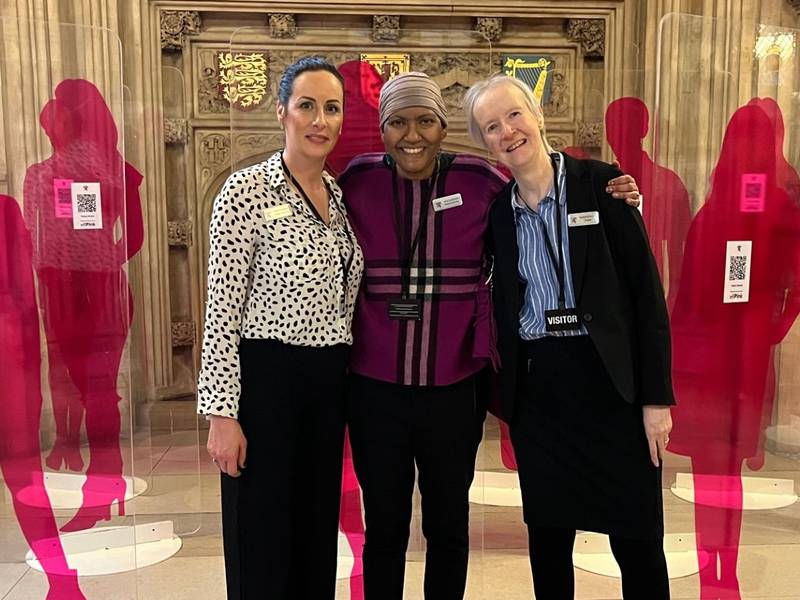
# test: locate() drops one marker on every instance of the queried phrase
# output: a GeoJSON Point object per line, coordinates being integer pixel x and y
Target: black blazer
{"type": "Point", "coordinates": [617, 289]}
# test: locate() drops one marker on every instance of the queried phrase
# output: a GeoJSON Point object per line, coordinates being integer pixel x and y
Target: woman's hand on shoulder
{"type": "Point", "coordinates": [625, 188]}
{"type": "Point", "coordinates": [657, 427]}
{"type": "Point", "coordinates": [227, 445]}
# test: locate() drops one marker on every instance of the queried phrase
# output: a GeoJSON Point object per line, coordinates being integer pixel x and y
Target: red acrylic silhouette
{"type": "Point", "coordinates": [665, 202]}
{"type": "Point", "coordinates": [360, 131]}
{"type": "Point", "coordinates": [21, 398]}
{"type": "Point", "coordinates": [360, 134]}
{"type": "Point", "coordinates": [84, 296]}
{"type": "Point", "coordinates": [788, 179]}
{"type": "Point", "coordinates": [721, 352]}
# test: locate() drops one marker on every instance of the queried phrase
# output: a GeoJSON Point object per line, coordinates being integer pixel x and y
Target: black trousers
{"type": "Point", "coordinates": [392, 428]}
{"type": "Point", "coordinates": [280, 518]}
{"type": "Point", "coordinates": [642, 563]}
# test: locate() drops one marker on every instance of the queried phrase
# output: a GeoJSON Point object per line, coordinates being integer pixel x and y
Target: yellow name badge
{"type": "Point", "coordinates": [278, 212]}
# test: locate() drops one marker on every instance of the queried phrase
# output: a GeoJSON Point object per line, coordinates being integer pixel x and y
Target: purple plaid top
{"type": "Point", "coordinates": [454, 338]}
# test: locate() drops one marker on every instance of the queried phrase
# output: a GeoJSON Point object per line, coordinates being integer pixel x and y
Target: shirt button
{"type": "Point", "coordinates": [587, 317]}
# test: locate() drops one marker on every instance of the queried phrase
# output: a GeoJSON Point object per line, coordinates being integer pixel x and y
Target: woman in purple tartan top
{"type": "Point", "coordinates": [452, 339]}
{"type": "Point", "coordinates": [422, 331]}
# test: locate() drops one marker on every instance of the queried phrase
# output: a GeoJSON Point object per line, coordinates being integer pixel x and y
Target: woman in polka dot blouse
{"type": "Point", "coordinates": [284, 271]}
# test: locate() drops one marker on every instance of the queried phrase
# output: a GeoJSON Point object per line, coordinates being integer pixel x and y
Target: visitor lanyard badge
{"type": "Point", "coordinates": [405, 309]}
{"type": "Point", "coordinates": [562, 319]}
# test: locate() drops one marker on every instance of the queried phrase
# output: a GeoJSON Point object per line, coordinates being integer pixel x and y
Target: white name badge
{"type": "Point", "coordinates": [446, 202]}
{"type": "Point", "coordinates": [737, 272]}
{"type": "Point", "coordinates": [584, 218]}
{"type": "Point", "coordinates": [87, 210]}
{"type": "Point", "coordinates": [278, 212]}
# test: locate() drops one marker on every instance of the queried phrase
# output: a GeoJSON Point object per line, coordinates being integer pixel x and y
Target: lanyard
{"type": "Point", "coordinates": [344, 263]}
{"type": "Point", "coordinates": [558, 265]}
{"type": "Point", "coordinates": [423, 220]}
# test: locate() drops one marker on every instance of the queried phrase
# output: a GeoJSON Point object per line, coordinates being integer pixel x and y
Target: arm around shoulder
{"type": "Point", "coordinates": [630, 248]}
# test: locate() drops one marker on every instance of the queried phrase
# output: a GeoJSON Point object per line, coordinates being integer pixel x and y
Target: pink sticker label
{"type": "Point", "coordinates": [63, 198]}
{"type": "Point", "coordinates": [753, 192]}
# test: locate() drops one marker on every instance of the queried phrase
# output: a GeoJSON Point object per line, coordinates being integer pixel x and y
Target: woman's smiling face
{"type": "Point", "coordinates": [413, 137]}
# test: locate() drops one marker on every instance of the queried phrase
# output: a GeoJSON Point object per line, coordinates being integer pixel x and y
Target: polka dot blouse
{"type": "Point", "coordinates": [275, 271]}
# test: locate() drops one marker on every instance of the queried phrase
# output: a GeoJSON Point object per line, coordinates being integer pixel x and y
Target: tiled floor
{"type": "Point", "coordinates": [184, 488]}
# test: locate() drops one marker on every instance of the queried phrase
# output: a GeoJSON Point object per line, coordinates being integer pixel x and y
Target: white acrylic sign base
{"type": "Point", "coordinates": [344, 566]}
{"type": "Point", "coordinates": [784, 438]}
{"type": "Point", "coordinates": [758, 493]}
{"type": "Point", "coordinates": [65, 491]}
{"type": "Point", "coordinates": [495, 489]}
{"type": "Point", "coordinates": [593, 554]}
{"type": "Point", "coordinates": [107, 550]}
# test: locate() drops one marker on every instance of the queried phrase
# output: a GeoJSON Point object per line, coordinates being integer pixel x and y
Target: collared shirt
{"type": "Point", "coordinates": [453, 337]}
{"type": "Point", "coordinates": [535, 266]}
{"type": "Point", "coordinates": [275, 271]}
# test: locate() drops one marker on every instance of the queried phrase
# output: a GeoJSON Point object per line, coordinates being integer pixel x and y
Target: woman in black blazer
{"type": "Point", "coordinates": [583, 336]}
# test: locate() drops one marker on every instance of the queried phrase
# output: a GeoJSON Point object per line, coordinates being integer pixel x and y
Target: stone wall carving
{"type": "Point", "coordinates": [183, 333]}
{"type": "Point", "coordinates": [385, 28]}
{"type": "Point", "coordinates": [282, 26]}
{"type": "Point", "coordinates": [454, 73]}
{"type": "Point", "coordinates": [437, 64]}
{"type": "Point", "coordinates": [559, 97]}
{"type": "Point", "coordinates": [795, 4]}
{"type": "Point", "coordinates": [490, 27]}
{"type": "Point", "coordinates": [210, 99]}
{"type": "Point", "coordinates": [453, 97]}
{"type": "Point", "coordinates": [557, 142]}
{"type": "Point", "coordinates": [253, 143]}
{"type": "Point", "coordinates": [176, 131]}
{"type": "Point", "coordinates": [176, 25]}
{"type": "Point", "coordinates": [590, 134]}
{"type": "Point", "coordinates": [590, 34]}
{"type": "Point", "coordinates": [214, 154]}
{"type": "Point", "coordinates": [179, 233]}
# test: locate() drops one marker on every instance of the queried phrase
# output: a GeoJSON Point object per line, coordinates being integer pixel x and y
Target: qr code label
{"type": "Point", "coordinates": [738, 268]}
{"type": "Point", "coordinates": [752, 190]}
{"type": "Point", "coordinates": [87, 203]}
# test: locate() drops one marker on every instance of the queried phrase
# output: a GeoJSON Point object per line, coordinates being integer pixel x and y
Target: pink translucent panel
{"type": "Point", "coordinates": [84, 298]}
{"type": "Point", "coordinates": [21, 398]}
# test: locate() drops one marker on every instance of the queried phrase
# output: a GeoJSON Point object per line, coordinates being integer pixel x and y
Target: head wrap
{"type": "Point", "coordinates": [411, 89]}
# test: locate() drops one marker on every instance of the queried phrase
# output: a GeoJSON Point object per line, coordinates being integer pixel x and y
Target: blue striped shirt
{"type": "Point", "coordinates": [535, 267]}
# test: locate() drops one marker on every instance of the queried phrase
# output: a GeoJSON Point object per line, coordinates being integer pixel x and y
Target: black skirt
{"type": "Point", "coordinates": [581, 449]}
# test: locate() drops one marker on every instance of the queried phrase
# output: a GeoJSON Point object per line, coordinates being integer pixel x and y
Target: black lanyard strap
{"type": "Point", "coordinates": [558, 265]}
{"type": "Point", "coordinates": [398, 226]}
{"type": "Point", "coordinates": [345, 264]}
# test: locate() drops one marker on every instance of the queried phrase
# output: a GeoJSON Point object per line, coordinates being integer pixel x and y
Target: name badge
{"type": "Point", "coordinates": [584, 218]}
{"type": "Point", "coordinates": [562, 320]}
{"type": "Point", "coordinates": [446, 202]}
{"type": "Point", "coordinates": [278, 212]}
{"type": "Point", "coordinates": [405, 309]}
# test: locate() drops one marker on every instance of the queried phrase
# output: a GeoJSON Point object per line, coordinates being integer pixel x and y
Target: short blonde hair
{"type": "Point", "coordinates": [477, 90]}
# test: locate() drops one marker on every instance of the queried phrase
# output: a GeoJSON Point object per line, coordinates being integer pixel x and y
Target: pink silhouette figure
{"type": "Point", "coordinates": [21, 394]}
{"type": "Point", "coordinates": [352, 522]}
{"type": "Point", "coordinates": [360, 133]}
{"type": "Point", "coordinates": [789, 180]}
{"type": "Point", "coordinates": [665, 206]}
{"type": "Point", "coordinates": [721, 353]}
{"type": "Point", "coordinates": [84, 296]}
